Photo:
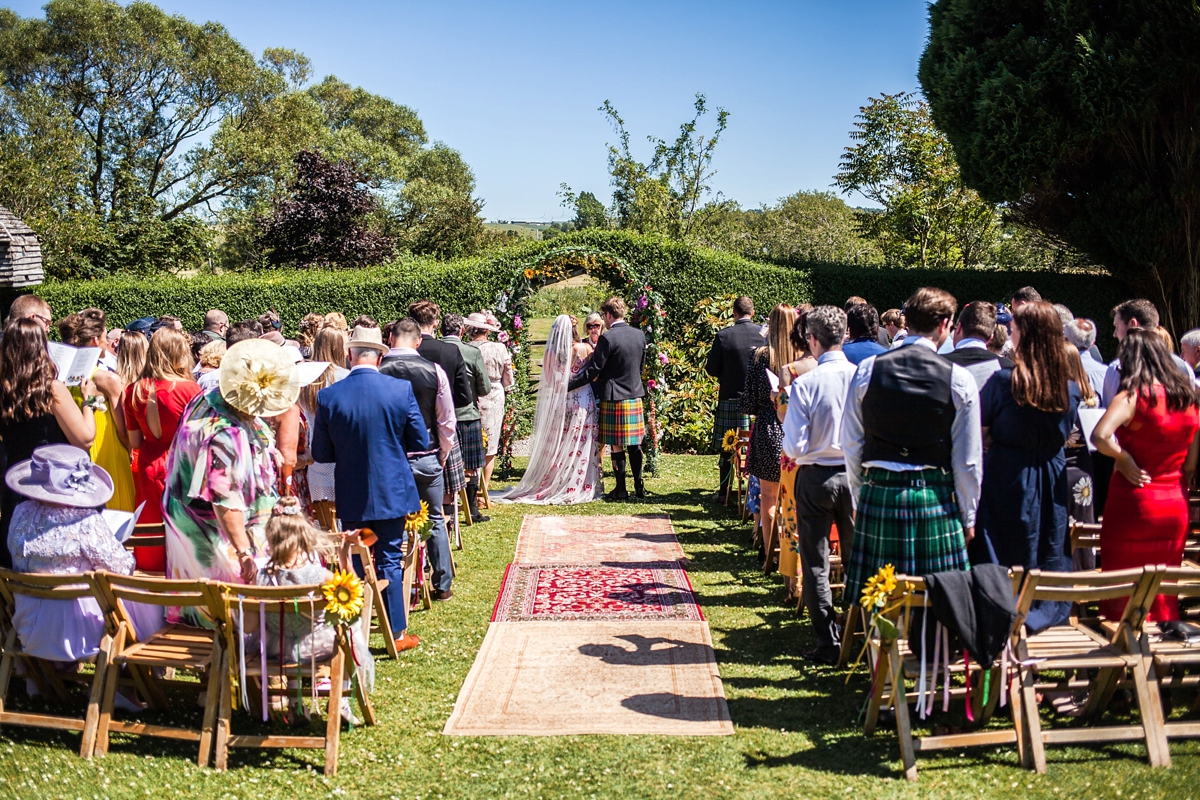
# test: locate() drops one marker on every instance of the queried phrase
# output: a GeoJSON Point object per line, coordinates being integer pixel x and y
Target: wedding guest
{"type": "Point", "coordinates": [975, 328]}
{"type": "Point", "coordinates": [241, 331]}
{"type": "Point", "coordinates": [804, 361]}
{"type": "Point", "coordinates": [210, 364]}
{"type": "Point", "coordinates": [470, 419]}
{"type": "Point", "coordinates": [1128, 316]}
{"type": "Point", "coordinates": [1027, 413]}
{"type": "Point", "coordinates": [131, 356]}
{"type": "Point", "coordinates": [216, 322]}
{"type": "Point", "coordinates": [1149, 430]}
{"type": "Point", "coordinates": [290, 429]}
{"type": "Point", "coordinates": [364, 321]}
{"type": "Point", "coordinates": [220, 472]}
{"type": "Point", "coordinates": [365, 426]}
{"type": "Point", "coordinates": [852, 301]}
{"type": "Point", "coordinates": [863, 330]}
{"type": "Point", "coordinates": [812, 439]}
{"type": "Point", "coordinates": [498, 362]}
{"type": "Point", "coordinates": [307, 334]}
{"type": "Point", "coordinates": [728, 361]}
{"type": "Point", "coordinates": [328, 346]}
{"type": "Point", "coordinates": [914, 456]}
{"type": "Point", "coordinates": [30, 306]}
{"type": "Point", "coordinates": [337, 321]}
{"type": "Point", "coordinates": [594, 325]}
{"type": "Point", "coordinates": [111, 346]}
{"type": "Point", "coordinates": [999, 341]}
{"type": "Point", "coordinates": [1026, 294]}
{"type": "Point", "coordinates": [758, 400]}
{"type": "Point", "coordinates": [615, 372]}
{"type": "Point", "coordinates": [153, 407]}
{"type": "Point", "coordinates": [110, 448]}
{"type": "Point", "coordinates": [1081, 334]}
{"type": "Point", "coordinates": [1081, 475]}
{"type": "Point", "coordinates": [1189, 350]}
{"type": "Point", "coordinates": [892, 324]}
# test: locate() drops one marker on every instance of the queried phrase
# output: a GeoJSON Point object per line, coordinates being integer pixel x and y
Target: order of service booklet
{"type": "Point", "coordinates": [74, 364]}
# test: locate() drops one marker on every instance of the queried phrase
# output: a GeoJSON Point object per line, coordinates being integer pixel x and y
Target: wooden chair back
{"type": "Point", "coordinates": [44, 675]}
{"type": "Point", "coordinates": [1084, 534]}
{"type": "Point", "coordinates": [375, 614]}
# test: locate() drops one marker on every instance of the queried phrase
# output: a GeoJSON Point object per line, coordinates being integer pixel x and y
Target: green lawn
{"type": "Point", "coordinates": [796, 732]}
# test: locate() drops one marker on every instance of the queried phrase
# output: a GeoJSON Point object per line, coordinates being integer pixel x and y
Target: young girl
{"type": "Point", "coordinates": [297, 549]}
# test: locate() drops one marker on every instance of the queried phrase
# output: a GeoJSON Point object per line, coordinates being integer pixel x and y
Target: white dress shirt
{"type": "Point", "coordinates": [447, 423]}
{"type": "Point", "coordinates": [1096, 371]}
{"type": "Point", "coordinates": [1112, 378]}
{"type": "Point", "coordinates": [966, 454]}
{"type": "Point", "coordinates": [812, 427]}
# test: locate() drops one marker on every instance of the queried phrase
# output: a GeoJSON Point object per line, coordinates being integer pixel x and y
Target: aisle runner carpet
{"type": "Point", "coordinates": [596, 630]}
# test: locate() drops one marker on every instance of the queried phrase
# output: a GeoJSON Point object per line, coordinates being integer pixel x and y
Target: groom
{"type": "Point", "coordinates": [616, 370]}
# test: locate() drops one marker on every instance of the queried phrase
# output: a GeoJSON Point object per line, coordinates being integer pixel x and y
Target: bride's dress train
{"type": "Point", "coordinates": [564, 462]}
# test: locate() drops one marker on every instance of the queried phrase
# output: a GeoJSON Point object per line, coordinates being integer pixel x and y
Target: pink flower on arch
{"type": "Point", "coordinates": [652, 384]}
{"type": "Point", "coordinates": [503, 337]}
{"type": "Point", "coordinates": [517, 324]}
{"type": "Point", "coordinates": [662, 358]}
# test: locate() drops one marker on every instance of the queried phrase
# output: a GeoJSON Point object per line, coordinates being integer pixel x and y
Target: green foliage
{"type": "Point", "coordinates": [573, 297]}
{"type": "Point", "coordinates": [1085, 118]}
{"type": "Point", "coordinates": [687, 417]}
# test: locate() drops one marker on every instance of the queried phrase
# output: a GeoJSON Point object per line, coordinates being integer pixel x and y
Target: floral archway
{"type": "Point", "coordinates": [645, 311]}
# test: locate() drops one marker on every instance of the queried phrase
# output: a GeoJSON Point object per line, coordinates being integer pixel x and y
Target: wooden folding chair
{"type": "Point", "coordinates": [177, 646]}
{"type": "Point", "coordinates": [375, 615]}
{"type": "Point", "coordinates": [740, 476]}
{"type": "Point", "coordinates": [1176, 662]}
{"type": "Point", "coordinates": [895, 665]}
{"type": "Point", "coordinates": [149, 534]}
{"type": "Point", "coordinates": [1112, 650]}
{"type": "Point", "coordinates": [241, 612]}
{"type": "Point", "coordinates": [462, 507]}
{"type": "Point", "coordinates": [325, 514]}
{"type": "Point", "coordinates": [65, 588]}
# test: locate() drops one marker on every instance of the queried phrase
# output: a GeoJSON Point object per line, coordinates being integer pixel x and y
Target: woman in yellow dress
{"type": "Point", "coordinates": [110, 448]}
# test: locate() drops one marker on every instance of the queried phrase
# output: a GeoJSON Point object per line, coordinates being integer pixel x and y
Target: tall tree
{"type": "Point", "coordinates": [1085, 119]}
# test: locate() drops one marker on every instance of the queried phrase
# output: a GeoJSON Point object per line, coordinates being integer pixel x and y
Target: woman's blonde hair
{"type": "Point", "coordinates": [780, 346]}
{"type": "Point", "coordinates": [290, 536]}
{"type": "Point", "coordinates": [330, 345]}
{"type": "Point", "coordinates": [169, 358]}
{"type": "Point", "coordinates": [131, 356]}
{"type": "Point", "coordinates": [336, 320]}
{"type": "Point", "coordinates": [212, 353]}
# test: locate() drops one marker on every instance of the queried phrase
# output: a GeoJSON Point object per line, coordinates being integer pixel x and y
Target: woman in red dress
{"type": "Point", "coordinates": [153, 408]}
{"type": "Point", "coordinates": [1150, 430]}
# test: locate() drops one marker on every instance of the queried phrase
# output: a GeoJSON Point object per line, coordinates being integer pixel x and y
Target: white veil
{"type": "Point", "coordinates": [548, 419]}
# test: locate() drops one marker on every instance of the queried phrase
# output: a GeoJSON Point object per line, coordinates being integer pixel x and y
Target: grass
{"type": "Point", "coordinates": [796, 732]}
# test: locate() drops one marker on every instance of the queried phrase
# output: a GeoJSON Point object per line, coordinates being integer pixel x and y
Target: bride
{"type": "Point", "coordinates": [564, 463]}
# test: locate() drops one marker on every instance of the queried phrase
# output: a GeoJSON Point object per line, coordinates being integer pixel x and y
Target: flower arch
{"type": "Point", "coordinates": [645, 311]}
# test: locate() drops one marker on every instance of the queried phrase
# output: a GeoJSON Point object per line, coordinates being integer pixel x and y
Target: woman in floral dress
{"type": "Point", "coordinates": [498, 362]}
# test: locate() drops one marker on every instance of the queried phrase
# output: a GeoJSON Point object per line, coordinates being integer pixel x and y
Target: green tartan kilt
{"type": "Point", "coordinates": [910, 520]}
{"type": "Point", "coordinates": [621, 422]}
{"type": "Point", "coordinates": [728, 416]}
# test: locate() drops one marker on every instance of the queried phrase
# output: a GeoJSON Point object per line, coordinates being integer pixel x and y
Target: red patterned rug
{"type": "Point", "coordinates": [643, 591]}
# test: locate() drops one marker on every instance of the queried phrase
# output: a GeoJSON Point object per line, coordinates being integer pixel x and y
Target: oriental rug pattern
{"type": "Point", "coordinates": [593, 592]}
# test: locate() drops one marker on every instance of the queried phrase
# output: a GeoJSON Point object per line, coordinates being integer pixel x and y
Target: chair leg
{"type": "Point", "coordinates": [464, 510]}
{"type": "Point", "coordinates": [848, 633]}
{"type": "Point", "coordinates": [1033, 723]}
{"type": "Point", "coordinates": [881, 675]}
{"type": "Point", "coordinates": [218, 672]}
{"type": "Point", "coordinates": [381, 617]}
{"type": "Point", "coordinates": [1151, 712]}
{"type": "Point", "coordinates": [96, 697]}
{"type": "Point", "coordinates": [6, 666]}
{"type": "Point", "coordinates": [1024, 756]}
{"type": "Point", "coordinates": [908, 752]}
{"type": "Point", "coordinates": [100, 745]}
{"type": "Point", "coordinates": [360, 694]}
{"type": "Point", "coordinates": [333, 714]}
{"type": "Point", "coordinates": [224, 713]}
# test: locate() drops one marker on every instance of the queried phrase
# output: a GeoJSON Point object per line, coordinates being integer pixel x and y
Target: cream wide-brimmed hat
{"type": "Point", "coordinates": [480, 322]}
{"type": "Point", "coordinates": [259, 378]}
{"type": "Point", "coordinates": [370, 338]}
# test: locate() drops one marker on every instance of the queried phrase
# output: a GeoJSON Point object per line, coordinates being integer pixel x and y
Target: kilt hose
{"type": "Point", "coordinates": [907, 519]}
{"type": "Point", "coordinates": [455, 478]}
{"type": "Point", "coordinates": [621, 422]}
{"type": "Point", "coordinates": [727, 416]}
{"type": "Point", "coordinates": [470, 441]}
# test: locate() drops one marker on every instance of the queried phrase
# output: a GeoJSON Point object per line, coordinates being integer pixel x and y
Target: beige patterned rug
{"type": "Point", "coordinates": [563, 678]}
{"type": "Point", "coordinates": [597, 540]}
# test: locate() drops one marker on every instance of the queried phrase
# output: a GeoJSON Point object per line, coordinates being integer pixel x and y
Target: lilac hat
{"type": "Point", "coordinates": [61, 474]}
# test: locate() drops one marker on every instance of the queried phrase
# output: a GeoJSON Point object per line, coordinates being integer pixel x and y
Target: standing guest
{"type": "Point", "coordinates": [35, 407]}
{"type": "Point", "coordinates": [1126, 317]}
{"type": "Point", "coordinates": [199, 341]}
{"type": "Point", "coordinates": [131, 356]}
{"type": "Point", "coordinates": [1081, 334]}
{"type": "Point", "coordinates": [1081, 474]}
{"type": "Point", "coordinates": [1149, 430]}
{"type": "Point", "coordinates": [111, 345]}
{"type": "Point", "coordinates": [852, 301]}
{"type": "Point", "coordinates": [241, 331]}
{"type": "Point", "coordinates": [470, 419]}
{"type": "Point", "coordinates": [975, 328]}
{"type": "Point", "coordinates": [307, 334]}
{"type": "Point", "coordinates": [914, 455]}
{"type": "Point", "coordinates": [594, 325]}
{"type": "Point", "coordinates": [364, 321]}
{"type": "Point", "coordinates": [208, 372]}
{"type": "Point", "coordinates": [216, 322]}
{"type": "Point", "coordinates": [812, 438]}
{"type": "Point", "coordinates": [431, 388]}
{"type": "Point", "coordinates": [30, 306]}
{"type": "Point", "coordinates": [329, 345]}
{"type": "Point", "coordinates": [447, 356]}
{"type": "Point", "coordinates": [728, 360]}
{"type": "Point", "coordinates": [366, 425]}
{"type": "Point", "coordinates": [892, 324]}
{"type": "Point", "coordinates": [804, 361]}
{"type": "Point", "coordinates": [1027, 413]}
{"type": "Point", "coordinates": [758, 399]}
{"type": "Point", "coordinates": [863, 330]}
{"type": "Point", "coordinates": [292, 446]}
{"type": "Point", "coordinates": [1189, 346]}
{"type": "Point", "coordinates": [615, 370]}
{"type": "Point", "coordinates": [1026, 294]}
{"type": "Point", "coordinates": [110, 448]}
{"type": "Point", "coordinates": [999, 341]}
{"type": "Point", "coordinates": [220, 475]}
{"type": "Point", "coordinates": [154, 406]}
{"type": "Point", "coordinates": [336, 320]}
{"type": "Point", "coordinates": [168, 321]}
{"type": "Point", "coordinates": [498, 362]}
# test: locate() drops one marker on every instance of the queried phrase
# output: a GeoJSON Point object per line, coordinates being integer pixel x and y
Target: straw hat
{"type": "Point", "coordinates": [61, 474]}
{"type": "Point", "coordinates": [480, 322]}
{"type": "Point", "coordinates": [370, 338]}
{"type": "Point", "coordinates": [259, 378]}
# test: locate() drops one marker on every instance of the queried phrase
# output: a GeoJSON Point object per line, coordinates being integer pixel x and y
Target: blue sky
{"type": "Point", "coordinates": [515, 86]}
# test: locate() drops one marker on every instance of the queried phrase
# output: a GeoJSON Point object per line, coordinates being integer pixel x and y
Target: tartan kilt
{"type": "Point", "coordinates": [470, 441]}
{"type": "Point", "coordinates": [621, 422]}
{"type": "Point", "coordinates": [728, 416]}
{"type": "Point", "coordinates": [456, 480]}
{"type": "Point", "coordinates": [916, 528]}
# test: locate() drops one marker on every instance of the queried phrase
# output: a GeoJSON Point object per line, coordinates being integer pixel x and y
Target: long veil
{"type": "Point", "coordinates": [551, 411]}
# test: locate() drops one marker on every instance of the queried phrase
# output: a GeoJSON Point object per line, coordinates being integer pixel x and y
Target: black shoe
{"type": "Point", "coordinates": [829, 656]}
{"type": "Point", "coordinates": [478, 518]}
{"type": "Point", "coordinates": [639, 489]}
{"type": "Point", "coordinates": [616, 496]}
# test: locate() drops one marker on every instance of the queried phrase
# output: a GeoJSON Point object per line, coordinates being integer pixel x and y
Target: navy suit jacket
{"type": "Point", "coordinates": [365, 424]}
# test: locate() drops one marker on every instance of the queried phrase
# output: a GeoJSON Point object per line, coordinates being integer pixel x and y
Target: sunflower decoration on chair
{"type": "Point", "coordinates": [729, 441]}
{"type": "Point", "coordinates": [418, 522]}
{"type": "Point", "coordinates": [878, 589]}
{"type": "Point", "coordinates": [343, 599]}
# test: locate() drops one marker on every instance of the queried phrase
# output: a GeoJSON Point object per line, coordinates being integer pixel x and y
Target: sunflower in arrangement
{"type": "Point", "coordinates": [418, 521]}
{"type": "Point", "coordinates": [878, 589]}
{"type": "Point", "coordinates": [729, 441]}
{"type": "Point", "coordinates": [343, 598]}
{"type": "Point", "coordinates": [485, 438]}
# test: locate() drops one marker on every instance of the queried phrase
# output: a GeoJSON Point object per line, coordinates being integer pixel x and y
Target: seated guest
{"type": "Point", "coordinates": [914, 455]}
{"type": "Point", "coordinates": [863, 323]}
{"type": "Point", "coordinates": [975, 328]}
{"type": "Point", "coordinates": [58, 530]}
